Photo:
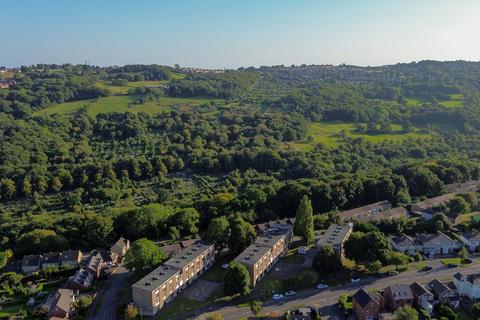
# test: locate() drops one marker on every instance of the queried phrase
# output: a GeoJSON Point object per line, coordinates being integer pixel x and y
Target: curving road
{"type": "Point", "coordinates": [108, 296]}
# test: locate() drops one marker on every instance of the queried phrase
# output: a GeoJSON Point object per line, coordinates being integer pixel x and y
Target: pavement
{"type": "Point", "coordinates": [326, 299]}
{"type": "Point", "coordinates": [115, 282]}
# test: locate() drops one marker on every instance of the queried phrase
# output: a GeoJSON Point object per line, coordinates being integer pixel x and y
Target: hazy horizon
{"type": "Point", "coordinates": [217, 34]}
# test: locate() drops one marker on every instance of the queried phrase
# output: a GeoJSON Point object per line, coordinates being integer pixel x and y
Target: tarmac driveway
{"type": "Point", "coordinates": [109, 301]}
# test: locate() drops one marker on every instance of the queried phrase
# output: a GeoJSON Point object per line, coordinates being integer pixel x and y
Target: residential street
{"type": "Point", "coordinates": [108, 296]}
{"type": "Point", "coordinates": [324, 299]}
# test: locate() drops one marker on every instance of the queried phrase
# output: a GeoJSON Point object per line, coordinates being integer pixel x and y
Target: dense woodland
{"type": "Point", "coordinates": [78, 181]}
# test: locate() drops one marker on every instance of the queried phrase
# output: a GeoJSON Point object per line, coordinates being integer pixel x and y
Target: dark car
{"type": "Point", "coordinates": [426, 268]}
{"type": "Point", "coordinates": [468, 260]}
{"type": "Point", "coordinates": [452, 265]}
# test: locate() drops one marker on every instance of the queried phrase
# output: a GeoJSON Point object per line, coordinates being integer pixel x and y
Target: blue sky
{"type": "Point", "coordinates": [227, 33]}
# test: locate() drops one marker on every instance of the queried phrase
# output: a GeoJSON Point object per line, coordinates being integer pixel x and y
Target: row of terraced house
{"type": "Point", "coordinates": [379, 305]}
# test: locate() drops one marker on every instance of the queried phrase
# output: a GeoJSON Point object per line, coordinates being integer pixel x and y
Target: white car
{"type": "Point", "coordinates": [321, 286]}
{"type": "Point", "coordinates": [225, 266]}
{"type": "Point", "coordinates": [353, 280]}
{"type": "Point", "coordinates": [290, 293]}
{"type": "Point", "coordinates": [277, 296]}
{"type": "Point", "coordinates": [302, 250]}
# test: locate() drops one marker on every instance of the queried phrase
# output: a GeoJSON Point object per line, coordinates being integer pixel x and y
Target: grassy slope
{"type": "Point", "coordinates": [122, 103]}
{"type": "Point", "coordinates": [456, 100]}
{"type": "Point", "coordinates": [329, 135]}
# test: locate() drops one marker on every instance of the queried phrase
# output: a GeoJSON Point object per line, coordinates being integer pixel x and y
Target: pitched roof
{"type": "Point", "coordinates": [400, 292]}
{"type": "Point", "coordinates": [94, 262]}
{"type": "Point", "coordinates": [471, 236]}
{"type": "Point", "coordinates": [363, 298]}
{"type": "Point", "coordinates": [439, 287]}
{"type": "Point", "coordinates": [404, 240]}
{"type": "Point", "coordinates": [71, 255]}
{"type": "Point", "coordinates": [31, 260]}
{"type": "Point", "coordinates": [434, 202]}
{"type": "Point", "coordinates": [434, 239]}
{"type": "Point", "coordinates": [473, 279]}
{"type": "Point", "coordinates": [419, 290]}
{"type": "Point", "coordinates": [61, 300]}
{"type": "Point", "coordinates": [51, 257]}
{"type": "Point", "coordinates": [365, 211]}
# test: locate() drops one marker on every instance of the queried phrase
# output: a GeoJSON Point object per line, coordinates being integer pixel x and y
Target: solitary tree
{"type": "Point", "coordinates": [463, 253]}
{"type": "Point", "coordinates": [327, 261]}
{"type": "Point", "coordinates": [242, 234]}
{"type": "Point", "coordinates": [131, 312]}
{"type": "Point", "coordinates": [218, 231]}
{"type": "Point", "coordinates": [303, 226]}
{"type": "Point", "coordinates": [236, 280]}
{"type": "Point", "coordinates": [143, 256]}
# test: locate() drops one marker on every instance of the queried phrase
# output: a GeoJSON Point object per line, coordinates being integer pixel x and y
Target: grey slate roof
{"type": "Point", "coordinates": [401, 292]}
{"type": "Point", "coordinates": [31, 260]}
{"type": "Point", "coordinates": [51, 258]}
{"type": "Point", "coordinates": [439, 287]}
{"type": "Point", "coordinates": [363, 298]}
{"type": "Point", "coordinates": [419, 290]}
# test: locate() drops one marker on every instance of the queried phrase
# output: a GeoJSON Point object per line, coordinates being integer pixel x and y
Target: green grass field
{"type": "Point", "coordinates": [455, 101]}
{"type": "Point", "coordinates": [124, 89]}
{"type": "Point", "coordinates": [122, 103]}
{"type": "Point", "coordinates": [330, 134]}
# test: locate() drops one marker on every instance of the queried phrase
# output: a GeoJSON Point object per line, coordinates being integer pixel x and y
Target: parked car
{"type": "Point", "coordinates": [321, 286]}
{"type": "Point", "coordinates": [468, 260]}
{"type": "Point", "coordinates": [426, 268]}
{"type": "Point", "coordinates": [392, 272]}
{"type": "Point", "coordinates": [302, 250]}
{"type": "Point", "coordinates": [452, 265]}
{"type": "Point", "coordinates": [277, 296]}
{"type": "Point", "coordinates": [225, 266]}
{"type": "Point", "coordinates": [378, 275]}
{"type": "Point", "coordinates": [290, 293]}
{"type": "Point", "coordinates": [353, 280]}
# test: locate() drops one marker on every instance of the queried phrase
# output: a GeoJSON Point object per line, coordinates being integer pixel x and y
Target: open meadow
{"type": "Point", "coordinates": [331, 135]}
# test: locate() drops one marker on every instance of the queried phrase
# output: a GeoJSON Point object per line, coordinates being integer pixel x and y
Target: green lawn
{"type": "Point", "coordinates": [455, 101]}
{"type": "Point", "coordinates": [124, 89]}
{"type": "Point", "coordinates": [292, 258]}
{"type": "Point", "coordinates": [330, 134]}
{"type": "Point", "coordinates": [457, 261]}
{"type": "Point", "coordinates": [123, 103]}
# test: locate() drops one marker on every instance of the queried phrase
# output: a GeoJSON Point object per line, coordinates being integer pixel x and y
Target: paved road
{"type": "Point", "coordinates": [325, 299]}
{"type": "Point", "coordinates": [116, 282]}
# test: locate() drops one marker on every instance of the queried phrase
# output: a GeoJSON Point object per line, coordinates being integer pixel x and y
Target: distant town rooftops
{"type": "Point", "coordinates": [156, 278]}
